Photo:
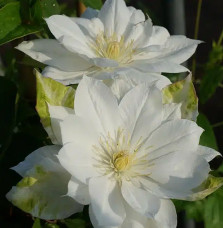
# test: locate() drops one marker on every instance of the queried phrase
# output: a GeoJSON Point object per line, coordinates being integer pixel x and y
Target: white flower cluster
{"type": "Point", "coordinates": [128, 143]}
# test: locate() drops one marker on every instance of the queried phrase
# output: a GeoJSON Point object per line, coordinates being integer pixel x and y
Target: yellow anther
{"type": "Point", "coordinates": [121, 161]}
{"type": "Point", "coordinates": [113, 50]}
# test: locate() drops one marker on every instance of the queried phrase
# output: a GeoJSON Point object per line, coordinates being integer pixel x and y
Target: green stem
{"type": "Point", "coordinates": [220, 38]}
{"type": "Point", "coordinates": [196, 31]}
{"type": "Point", "coordinates": [218, 124]}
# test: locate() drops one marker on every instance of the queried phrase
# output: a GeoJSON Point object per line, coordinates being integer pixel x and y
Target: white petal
{"type": "Point", "coordinates": [133, 32]}
{"type": "Point", "coordinates": [127, 79]}
{"type": "Point", "coordinates": [103, 62]}
{"type": "Point", "coordinates": [58, 114]}
{"type": "Point", "coordinates": [176, 175]}
{"type": "Point", "coordinates": [166, 216]}
{"type": "Point", "coordinates": [138, 106]}
{"type": "Point", "coordinates": [75, 46]}
{"type": "Point", "coordinates": [47, 203]}
{"type": "Point", "coordinates": [106, 201]}
{"type": "Point", "coordinates": [79, 130]}
{"type": "Point", "coordinates": [156, 65]}
{"type": "Point", "coordinates": [136, 220]}
{"type": "Point", "coordinates": [172, 136]}
{"type": "Point", "coordinates": [94, 220]}
{"type": "Point", "coordinates": [40, 155]}
{"type": "Point", "coordinates": [68, 32]}
{"type": "Point", "coordinates": [52, 53]}
{"type": "Point", "coordinates": [142, 201]}
{"type": "Point", "coordinates": [181, 166]}
{"type": "Point", "coordinates": [143, 39]}
{"type": "Point", "coordinates": [90, 13]}
{"type": "Point", "coordinates": [137, 16]}
{"type": "Point", "coordinates": [43, 189]}
{"type": "Point", "coordinates": [90, 28]}
{"type": "Point", "coordinates": [208, 153]}
{"type": "Point", "coordinates": [115, 16]}
{"type": "Point", "coordinates": [95, 101]}
{"type": "Point", "coordinates": [78, 191]}
{"type": "Point", "coordinates": [65, 77]}
{"type": "Point", "coordinates": [179, 49]}
{"type": "Point", "coordinates": [159, 36]}
{"type": "Point", "coordinates": [171, 111]}
{"type": "Point", "coordinates": [77, 160]}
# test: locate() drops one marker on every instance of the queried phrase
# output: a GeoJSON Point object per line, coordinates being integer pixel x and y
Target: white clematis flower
{"type": "Point", "coordinates": [42, 191]}
{"type": "Point", "coordinates": [104, 42]}
{"type": "Point", "coordinates": [128, 158]}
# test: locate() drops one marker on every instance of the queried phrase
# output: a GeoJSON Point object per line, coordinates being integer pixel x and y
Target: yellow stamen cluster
{"type": "Point", "coordinates": [121, 161]}
{"type": "Point", "coordinates": [116, 156]}
{"type": "Point", "coordinates": [113, 48]}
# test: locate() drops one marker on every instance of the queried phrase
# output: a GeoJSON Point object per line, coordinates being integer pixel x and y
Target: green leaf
{"type": "Point", "coordinates": [44, 9]}
{"type": "Point", "coordinates": [51, 225]}
{"type": "Point", "coordinates": [77, 223]}
{"type": "Point", "coordinates": [213, 72]}
{"type": "Point", "coordinates": [37, 223]}
{"type": "Point", "coordinates": [207, 138]}
{"type": "Point", "coordinates": [54, 93]}
{"type": "Point", "coordinates": [213, 211]}
{"type": "Point", "coordinates": [96, 4]}
{"type": "Point", "coordinates": [195, 210]}
{"type": "Point", "coordinates": [206, 188]}
{"type": "Point", "coordinates": [19, 32]}
{"type": "Point", "coordinates": [9, 18]}
{"type": "Point", "coordinates": [49, 8]}
{"type": "Point", "coordinates": [4, 2]}
{"type": "Point", "coordinates": [213, 76]}
{"type": "Point", "coordinates": [183, 92]}
{"type": "Point", "coordinates": [11, 26]}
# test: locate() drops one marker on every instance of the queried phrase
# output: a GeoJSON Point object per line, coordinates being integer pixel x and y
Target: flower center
{"type": "Point", "coordinates": [113, 50]}
{"type": "Point", "coordinates": [121, 161]}
{"type": "Point", "coordinates": [117, 157]}
{"type": "Point", "coordinates": [113, 47]}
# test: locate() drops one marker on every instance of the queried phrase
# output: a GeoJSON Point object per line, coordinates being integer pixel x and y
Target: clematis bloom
{"type": "Point", "coordinates": [104, 42]}
{"type": "Point", "coordinates": [141, 183]}
{"type": "Point", "coordinates": [42, 191]}
{"type": "Point", "coordinates": [130, 156]}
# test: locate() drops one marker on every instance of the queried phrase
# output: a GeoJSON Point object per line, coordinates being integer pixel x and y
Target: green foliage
{"type": "Point", "coordinates": [44, 9]}
{"type": "Point", "coordinates": [95, 4]}
{"type": "Point", "coordinates": [11, 24]}
{"type": "Point", "coordinates": [208, 210]}
{"type": "Point", "coordinates": [37, 223]}
{"type": "Point", "coordinates": [213, 73]}
{"type": "Point", "coordinates": [213, 211]}
{"type": "Point", "coordinates": [77, 223]}
{"type": "Point", "coordinates": [24, 17]}
{"type": "Point", "coordinates": [51, 225]}
{"type": "Point", "coordinates": [183, 92]}
{"type": "Point", "coordinates": [4, 2]}
{"type": "Point", "coordinates": [53, 93]}
{"type": "Point", "coordinates": [207, 138]}
{"type": "Point", "coordinates": [9, 18]}
{"type": "Point", "coordinates": [40, 224]}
